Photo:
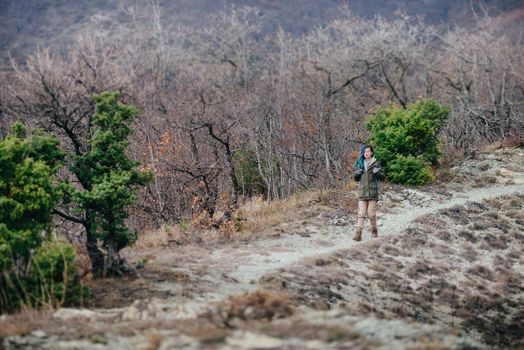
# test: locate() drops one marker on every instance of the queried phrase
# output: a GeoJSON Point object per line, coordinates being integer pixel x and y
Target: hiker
{"type": "Point", "coordinates": [368, 174]}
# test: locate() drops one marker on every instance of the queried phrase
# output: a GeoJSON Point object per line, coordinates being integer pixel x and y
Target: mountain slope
{"type": "Point", "coordinates": [446, 272]}
{"type": "Point", "coordinates": [27, 24]}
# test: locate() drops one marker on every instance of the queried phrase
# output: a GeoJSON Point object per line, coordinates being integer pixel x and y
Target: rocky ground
{"type": "Point", "coordinates": [446, 272]}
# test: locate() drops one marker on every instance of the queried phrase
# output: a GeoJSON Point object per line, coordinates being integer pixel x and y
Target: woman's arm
{"type": "Point", "coordinates": [358, 174]}
{"type": "Point", "coordinates": [377, 171]}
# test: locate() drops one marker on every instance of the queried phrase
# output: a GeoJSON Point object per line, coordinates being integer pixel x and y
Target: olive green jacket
{"type": "Point", "coordinates": [368, 181]}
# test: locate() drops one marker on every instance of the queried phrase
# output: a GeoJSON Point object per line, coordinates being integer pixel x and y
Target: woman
{"type": "Point", "coordinates": [368, 175]}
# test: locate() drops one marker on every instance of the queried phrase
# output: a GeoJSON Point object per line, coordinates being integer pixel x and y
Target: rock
{"type": "Point", "coordinates": [152, 309]}
{"type": "Point", "coordinates": [315, 344]}
{"type": "Point", "coordinates": [131, 314]}
{"type": "Point", "coordinates": [249, 313]}
{"type": "Point", "coordinates": [98, 339]}
{"type": "Point", "coordinates": [141, 310]}
{"type": "Point", "coordinates": [506, 173]}
{"type": "Point", "coordinates": [248, 340]}
{"type": "Point", "coordinates": [179, 341]}
{"type": "Point", "coordinates": [82, 344]}
{"type": "Point", "coordinates": [183, 311]}
{"type": "Point", "coordinates": [39, 334]}
{"type": "Point", "coordinates": [235, 322]}
{"type": "Point", "coordinates": [67, 314]}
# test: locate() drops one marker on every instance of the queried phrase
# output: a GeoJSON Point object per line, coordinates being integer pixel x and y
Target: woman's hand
{"type": "Point", "coordinates": [358, 174]}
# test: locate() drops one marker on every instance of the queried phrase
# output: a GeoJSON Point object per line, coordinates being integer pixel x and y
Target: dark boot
{"type": "Point", "coordinates": [374, 232]}
{"type": "Point", "coordinates": [358, 235]}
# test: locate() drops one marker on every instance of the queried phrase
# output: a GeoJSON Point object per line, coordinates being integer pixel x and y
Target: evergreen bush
{"type": "Point", "coordinates": [33, 269]}
{"type": "Point", "coordinates": [409, 170]}
{"type": "Point", "coordinates": [247, 173]}
{"type": "Point", "coordinates": [407, 141]}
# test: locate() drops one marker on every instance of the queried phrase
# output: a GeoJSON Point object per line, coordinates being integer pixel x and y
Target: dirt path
{"type": "Point", "coordinates": [246, 264]}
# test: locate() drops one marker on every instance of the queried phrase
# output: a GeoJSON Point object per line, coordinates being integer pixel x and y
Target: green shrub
{"type": "Point", "coordinates": [53, 275]}
{"type": "Point", "coordinates": [411, 133]}
{"type": "Point", "coordinates": [48, 280]}
{"type": "Point", "coordinates": [247, 174]}
{"type": "Point", "coordinates": [28, 194]}
{"type": "Point", "coordinates": [409, 170]}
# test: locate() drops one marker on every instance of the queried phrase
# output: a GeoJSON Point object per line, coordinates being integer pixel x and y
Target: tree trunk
{"type": "Point", "coordinates": [114, 265]}
{"type": "Point", "coordinates": [232, 175]}
{"type": "Point", "coordinates": [95, 254]}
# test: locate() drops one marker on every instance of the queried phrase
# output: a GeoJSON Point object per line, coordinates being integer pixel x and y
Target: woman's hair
{"type": "Point", "coordinates": [359, 164]}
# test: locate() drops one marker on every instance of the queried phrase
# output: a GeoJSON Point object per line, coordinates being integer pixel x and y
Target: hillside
{"type": "Point", "coordinates": [27, 24]}
{"type": "Point", "coordinates": [446, 272]}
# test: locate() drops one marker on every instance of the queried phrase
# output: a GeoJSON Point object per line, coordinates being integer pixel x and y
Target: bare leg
{"type": "Point", "coordinates": [372, 214]}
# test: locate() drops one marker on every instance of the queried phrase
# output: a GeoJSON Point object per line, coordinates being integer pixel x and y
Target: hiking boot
{"type": "Point", "coordinates": [358, 235]}
{"type": "Point", "coordinates": [374, 232]}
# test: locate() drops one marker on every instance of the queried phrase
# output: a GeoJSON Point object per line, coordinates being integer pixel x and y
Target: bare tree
{"type": "Point", "coordinates": [481, 74]}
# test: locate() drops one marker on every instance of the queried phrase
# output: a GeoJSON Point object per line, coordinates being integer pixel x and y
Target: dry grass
{"type": "Point", "coordinates": [431, 220]}
{"type": "Point", "coordinates": [458, 214]}
{"type": "Point", "coordinates": [420, 267]}
{"type": "Point", "coordinates": [492, 147]}
{"type": "Point", "coordinates": [24, 322]}
{"type": "Point", "coordinates": [517, 215]}
{"type": "Point", "coordinates": [302, 329]}
{"type": "Point", "coordinates": [444, 235]}
{"type": "Point", "coordinates": [469, 252]}
{"type": "Point", "coordinates": [514, 201]}
{"type": "Point", "coordinates": [356, 254]}
{"type": "Point", "coordinates": [442, 249]}
{"type": "Point", "coordinates": [482, 271]}
{"type": "Point", "coordinates": [206, 332]}
{"type": "Point", "coordinates": [391, 250]}
{"type": "Point", "coordinates": [254, 216]}
{"type": "Point", "coordinates": [444, 174]}
{"type": "Point", "coordinates": [476, 207]}
{"type": "Point", "coordinates": [429, 344]}
{"type": "Point", "coordinates": [261, 215]}
{"type": "Point", "coordinates": [468, 235]}
{"type": "Point", "coordinates": [514, 140]}
{"type": "Point", "coordinates": [154, 341]}
{"type": "Point", "coordinates": [413, 238]}
{"type": "Point", "coordinates": [484, 181]}
{"type": "Point", "coordinates": [154, 238]}
{"type": "Point", "coordinates": [109, 292]}
{"type": "Point", "coordinates": [176, 235]}
{"type": "Point", "coordinates": [329, 260]}
{"type": "Point", "coordinates": [260, 304]}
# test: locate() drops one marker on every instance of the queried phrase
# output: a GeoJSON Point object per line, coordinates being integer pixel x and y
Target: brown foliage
{"type": "Point", "coordinates": [24, 322]}
{"type": "Point", "coordinates": [260, 304]}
